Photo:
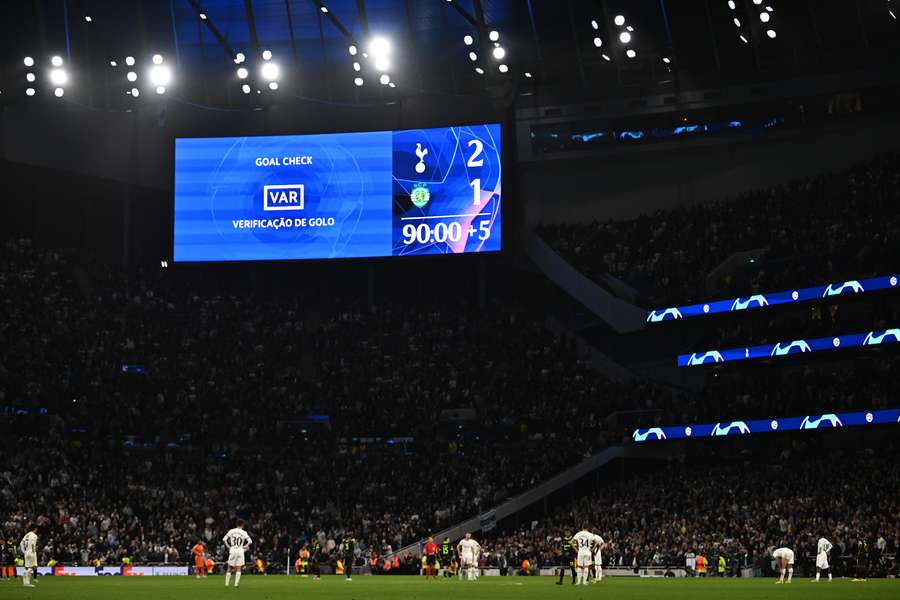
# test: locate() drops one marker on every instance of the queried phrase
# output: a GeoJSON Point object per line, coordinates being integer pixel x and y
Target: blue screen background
{"type": "Point", "coordinates": [361, 181]}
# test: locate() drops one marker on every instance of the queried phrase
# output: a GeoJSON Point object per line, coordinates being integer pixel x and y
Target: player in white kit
{"type": "Point", "coordinates": [237, 541]}
{"type": "Point", "coordinates": [598, 557]}
{"type": "Point", "coordinates": [468, 550]}
{"type": "Point", "coordinates": [785, 559]}
{"type": "Point", "coordinates": [822, 550]}
{"type": "Point", "coordinates": [28, 546]}
{"type": "Point", "coordinates": [583, 541]}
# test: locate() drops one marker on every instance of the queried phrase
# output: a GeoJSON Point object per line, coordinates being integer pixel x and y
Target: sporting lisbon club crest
{"type": "Point", "coordinates": [420, 195]}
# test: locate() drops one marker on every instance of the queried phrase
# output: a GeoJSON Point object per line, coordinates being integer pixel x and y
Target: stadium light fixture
{"type": "Point", "coordinates": [479, 70]}
{"type": "Point", "coordinates": [160, 90]}
{"type": "Point", "coordinates": [625, 37]}
{"type": "Point", "coordinates": [499, 53]}
{"type": "Point", "coordinates": [202, 16]}
{"type": "Point", "coordinates": [129, 60]}
{"type": "Point", "coordinates": [29, 62]}
{"type": "Point", "coordinates": [59, 77]}
{"type": "Point", "coordinates": [352, 49]}
{"type": "Point", "coordinates": [56, 61]}
{"type": "Point", "coordinates": [324, 9]}
{"type": "Point", "coordinates": [245, 88]}
{"type": "Point", "coordinates": [239, 58]}
{"type": "Point", "coordinates": [160, 75]}
{"type": "Point", "coordinates": [598, 42]}
{"type": "Point", "coordinates": [157, 59]}
{"type": "Point", "coordinates": [267, 55]}
{"type": "Point", "coordinates": [528, 75]}
{"type": "Point", "coordinates": [243, 73]}
{"type": "Point", "coordinates": [29, 77]}
{"type": "Point", "coordinates": [358, 82]}
{"type": "Point", "coordinates": [666, 60]}
{"type": "Point", "coordinates": [503, 68]}
{"type": "Point", "coordinates": [771, 33]}
{"type": "Point", "coordinates": [273, 85]}
{"type": "Point", "coordinates": [494, 36]}
{"type": "Point", "coordinates": [473, 57]}
{"type": "Point", "coordinates": [606, 57]}
{"type": "Point", "coordinates": [29, 92]}
{"type": "Point", "coordinates": [131, 76]}
{"type": "Point", "coordinates": [468, 40]}
{"type": "Point", "coordinates": [764, 17]}
{"type": "Point", "coordinates": [732, 5]}
{"type": "Point", "coordinates": [135, 92]}
{"type": "Point", "coordinates": [619, 20]}
{"type": "Point", "coordinates": [631, 53]}
{"type": "Point", "coordinates": [59, 92]}
{"type": "Point", "coordinates": [356, 66]}
{"type": "Point", "coordinates": [384, 79]}
{"type": "Point", "coordinates": [113, 63]}
{"type": "Point", "coordinates": [595, 25]}
{"type": "Point", "coordinates": [270, 71]}
{"type": "Point", "coordinates": [88, 19]}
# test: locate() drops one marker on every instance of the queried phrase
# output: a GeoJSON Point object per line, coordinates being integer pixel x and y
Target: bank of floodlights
{"type": "Point", "coordinates": [55, 73]}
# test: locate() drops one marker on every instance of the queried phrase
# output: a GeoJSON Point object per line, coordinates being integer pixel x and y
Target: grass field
{"type": "Point", "coordinates": [414, 588]}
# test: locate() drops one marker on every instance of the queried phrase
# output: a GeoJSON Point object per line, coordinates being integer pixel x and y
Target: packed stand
{"type": "Point", "coordinates": [822, 229]}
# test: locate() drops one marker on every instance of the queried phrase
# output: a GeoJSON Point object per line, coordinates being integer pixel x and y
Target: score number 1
{"type": "Point", "coordinates": [476, 161]}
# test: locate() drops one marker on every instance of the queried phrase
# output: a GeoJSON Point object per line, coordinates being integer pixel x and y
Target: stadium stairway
{"type": "Point", "coordinates": [487, 520]}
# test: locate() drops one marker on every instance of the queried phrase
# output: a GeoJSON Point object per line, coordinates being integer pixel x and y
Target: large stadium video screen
{"type": "Point", "coordinates": [343, 195]}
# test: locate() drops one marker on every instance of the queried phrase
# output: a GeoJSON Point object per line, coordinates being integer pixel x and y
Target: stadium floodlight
{"type": "Point", "coordinates": [59, 77]}
{"type": "Point", "coordinates": [358, 82]}
{"type": "Point", "coordinates": [29, 62]}
{"type": "Point", "coordinates": [598, 42]}
{"type": "Point", "coordinates": [131, 76]}
{"type": "Point", "coordinates": [129, 60]}
{"type": "Point", "coordinates": [243, 73]}
{"type": "Point", "coordinates": [732, 5]}
{"type": "Point", "coordinates": [113, 63]}
{"type": "Point", "coordinates": [160, 89]}
{"type": "Point", "coordinates": [527, 75]}
{"type": "Point", "coordinates": [273, 85]}
{"type": "Point", "coordinates": [384, 79]}
{"type": "Point", "coordinates": [135, 92]}
{"type": "Point", "coordinates": [737, 22]}
{"type": "Point", "coordinates": [239, 58]}
{"type": "Point", "coordinates": [352, 49]}
{"type": "Point", "coordinates": [30, 77]}
{"type": "Point", "coordinates": [379, 46]}
{"type": "Point", "coordinates": [764, 17]}
{"type": "Point", "coordinates": [631, 53]}
{"type": "Point", "coordinates": [160, 75]}
{"type": "Point", "coordinates": [56, 61]}
{"type": "Point", "coordinates": [630, 28]}
{"type": "Point", "coordinates": [771, 33]}
{"type": "Point", "coordinates": [202, 16]}
{"type": "Point", "coordinates": [757, 2]}
{"type": "Point", "coordinates": [666, 60]}
{"type": "Point", "coordinates": [324, 9]}
{"type": "Point", "coordinates": [625, 37]}
{"type": "Point", "coordinates": [744, 39]}
{"type": "Point", "coordinates": [382, 64]}
{"type": "Point", "coordinates": [157, 59]}
{"type": "Point", "coordinates": [245, 88]}
{"type": "Point", "coordinates": [270, 71]}
{"type": "Point", "coordinates": [88, 19]}
{"type": "Point", "coordinates": [606, 57]}
{"type": "Point", "coordinates": [468, 40]}
{"type": "Point", "coordinates": [392, 84]}
{"type": "Point", "coordinates": [499, 53]}
{"type": "Point", "coordinates": [59, 92]}
{"type": "Point", "coordinates": [494, 36]}
{"type": "Point", "coordinates": [473, 57]}
{"type": "Point", "coordinates": [479, 70]}
{"type": "Point", "coordinates": [29, 92]}
{"type": "Point", "coordinates": [357, 67]}
{"type": "Point", "coordinates": [267, 55]}
{"type": "Point", "coordinates": [619, 20]}
{"type": "Point", "coordinates": [503, 68]}
{"type": "Point", "coordinates": [595, 25]}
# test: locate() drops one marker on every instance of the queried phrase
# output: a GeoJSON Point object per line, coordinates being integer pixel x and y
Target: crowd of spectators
{"type": "Point", "coordinates": [140, 417]}
{"type": "Point", "coordinates": [740, 510]}
{"type": "Point", "coordinates": [817, 230]}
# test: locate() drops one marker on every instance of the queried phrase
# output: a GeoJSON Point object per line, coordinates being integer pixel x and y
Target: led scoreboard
{"type": "Point", "coordinates": [344, 195]}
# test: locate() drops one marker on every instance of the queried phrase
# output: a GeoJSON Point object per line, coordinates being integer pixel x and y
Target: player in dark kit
{"type": "Point", "coordinates": [348, 549]}
{"type": "Point", "coordinates": [566, 557]}
{"type": "Point", "coordinates": [431, 551]}
{"type": "Point", "coordinates": [445, 554]}
{"type": "Point", "coordinates": [315, 559]}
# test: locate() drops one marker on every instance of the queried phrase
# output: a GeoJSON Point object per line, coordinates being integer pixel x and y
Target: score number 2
{"type": "Point", "coordinates": [476, 161]}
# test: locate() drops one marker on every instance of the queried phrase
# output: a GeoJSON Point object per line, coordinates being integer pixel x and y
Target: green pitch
{"type": "Point", "coordinates": [415, 588]}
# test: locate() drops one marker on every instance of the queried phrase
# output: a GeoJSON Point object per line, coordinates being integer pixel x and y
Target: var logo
{"type": "Point", "coordinates": [283, 197]}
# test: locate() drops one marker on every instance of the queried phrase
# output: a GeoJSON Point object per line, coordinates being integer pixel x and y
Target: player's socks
{"type": "Point", "coordinates": [817, 577]}
{"type": "Point", "coordinates": [237, 579]}
{"type": "Point", "coordinates": [790, 575]}
{"type": "Point", "coordinates": [829, 576]}
{"type": "Point", "coordinates": [227, 578]}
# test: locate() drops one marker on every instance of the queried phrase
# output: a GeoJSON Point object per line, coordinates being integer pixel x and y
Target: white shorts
{"type": "Point", "coordinates": [788, 557]}
{"type": "Point", "coordinates": [467, 560]}
{"type": "Point", "coordinates": [822, 560]}
{"type": "Point", "coordinates": [598, 560]}
{"type": "Point", "coordinates": [236, 557]}
{"type": "Point", "coordinates": [30, 560]}
{"type": "Point", "coordinates": [584, 558]}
